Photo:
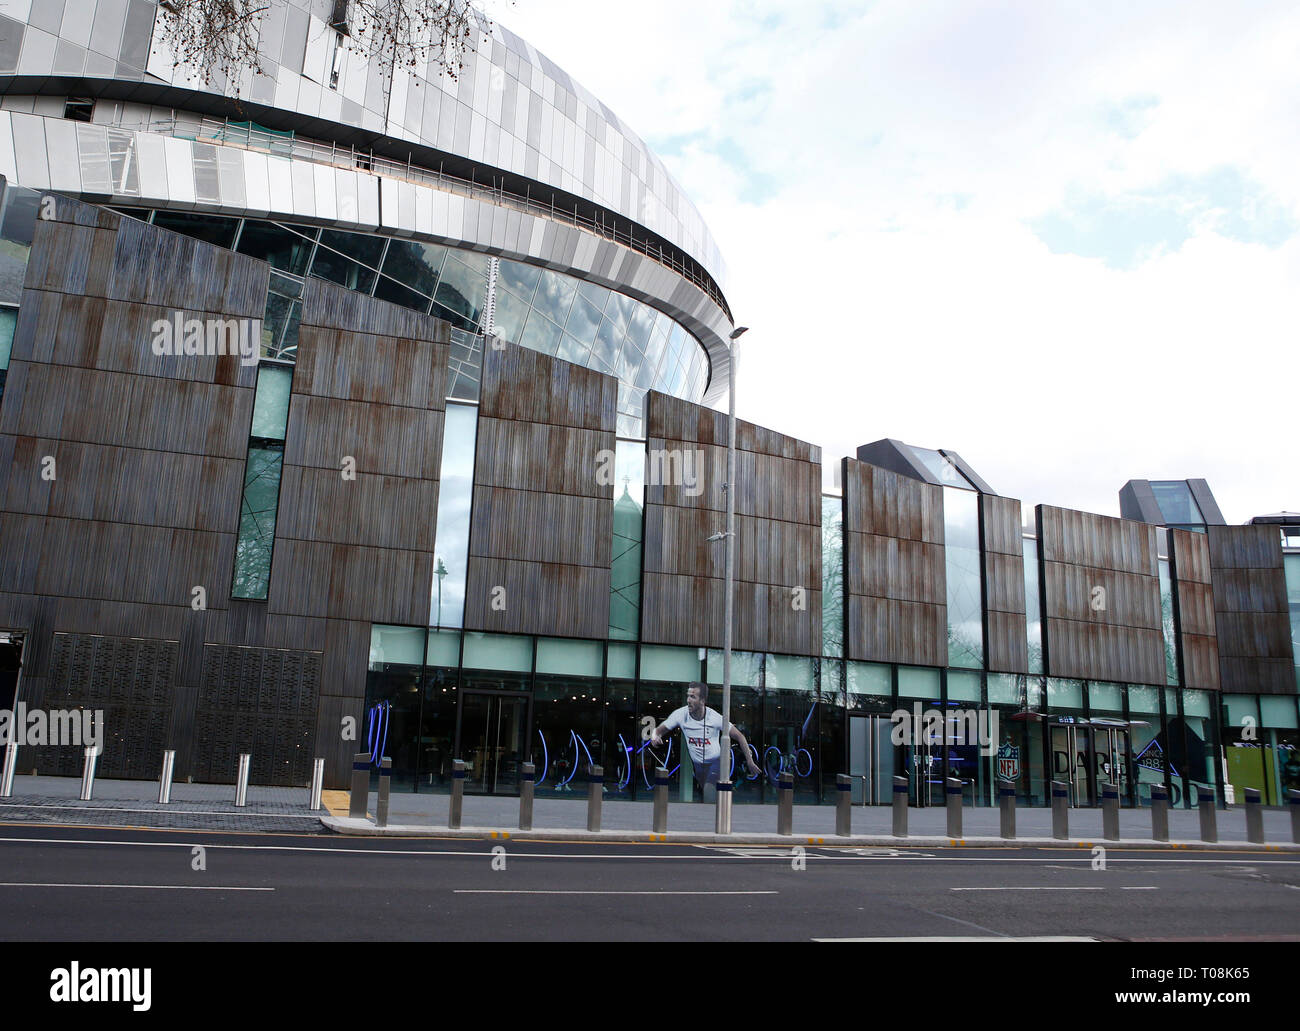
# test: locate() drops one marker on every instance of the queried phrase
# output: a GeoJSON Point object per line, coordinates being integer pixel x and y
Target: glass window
{"type": "Point", "coordinates": [1177, 505]}
{"type": "Point", "coordinates": [444, 648]}
{"type": "Point", "coordinates": [832, 576]}
{"type": "Point", "coordinates": [625, 562]}
{"type": "Point", "coordinates": [1167, 622]}
{"type": "Point", "coordinates": [961, 532]}
{"type": "Point", "coordinates": [915, 682]}
{"type": "Point", "coordinates": [554, 296]}
{"type": "Point", "coordinates": [358, 246]}
{"type": "Point", "coordinates": [283, 312]}
{"type": "Point", "coordinates": [541, 334]}
{"type": "Point", "coordinates": [281, 248]}
{"type": "Point", "coordinates": [619, 311]}
{"type": "Point", "coordinates": [271, 402]}
{"type": "Point", "coordinates": [512, 653]}
{"type": "Point", "coordinates": [1033, 607]}
{"type": "Point", "coordinates": [1278, 712]}
{"type": "Point", "coordinates": [943, 468]}
{"type": "Point", "coordinates": [746, 667]}
{"type": "Point", "coordinates": [584, 320]}
{"type": "Point", "coordinates": [663, 662]}
{"type": "Point", "coordinates": [640, 326]}
{"type": "Point", "coordinates": [963, 686]}
{"type": "Point", "coordinates": [521, 279]}
{"type": "Point", "coordinates": [462, 289]}
{"type": "Point", "coordinates": [1196, 703]}
{"type": "Point", "coordinates": [414, 264]}
{"type": "Point", "coordinates": [569, 657]}
{"type": "Point", "coordinates": [571, 350]}
{"type": "Point", "coordinates": [871, 678]}
{"type": "Point", "coordinates": [8, 320]}
{"type": "Point", "coordinates": [451, 534]}
{"type": "Point", "coordinates": [261, 498]}
{"type": "Point", "coordinates": [1004, 689]}
{"type": "Point", "coordinates": [790, 673]}
{"type": "Point", "coordinates": [510, 315]}
{"type": "Point", "coordinates": [1239, 708]}
{"type": "Point", "coordinates": [1105, 698]}
{"type": "Point", "coordinates": [1064, 694]}
{"type": "Point", "coordinates": [388, 290]}
{"type": "Point", "coordinates": [395, 644]}
{"type": "Point", "coordinates": [606, 347]}
{"type": "Point", "coordinates": [621, 660]}
{"type": "Point", "coordinates": [211, 229]}
{"type": "Point", "coordinates": [335, 268]}
{"type": "Point", "coordinates": [1143, 699]}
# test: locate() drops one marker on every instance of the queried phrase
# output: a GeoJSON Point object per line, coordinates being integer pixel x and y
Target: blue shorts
{"type": "Point", "coordinates": [707, 772]}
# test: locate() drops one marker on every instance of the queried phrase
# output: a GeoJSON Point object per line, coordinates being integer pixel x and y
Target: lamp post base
{"type": "Point", "coordinates": [723, 825]}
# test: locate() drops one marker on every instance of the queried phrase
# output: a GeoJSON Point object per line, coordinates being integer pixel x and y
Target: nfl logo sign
{"type": "Point", "coordinates": [1009, 762]}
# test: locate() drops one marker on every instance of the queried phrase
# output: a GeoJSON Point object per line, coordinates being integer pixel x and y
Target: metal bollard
{"type": "Point", "coordinates": [900, 807]}
{"type": "Point", "coordinates": [456, 806]}
{"type": "Point", "coordinates": [1254, 817]}
{"type": "Point", "coordinates": [1007, 803]}
{"type": "Point", "coordinates": [595, 790]}
{"type": "Point", "coordinates": [317, 783]}
{"type": "Point", "coordinates": [1060, 810]}
{"type": "Point", "coordinates": [360, 786]}
{"type": "Point", "coordinates": [844, 805]}
{"type": "Point", "coordinates": [1110, 812]}
{"type": "Point", "coordinates": [659, 822]}
{"type": "Point", "coordinates": [954, 807]}
{"type": "Point", "coordinates": [385, 786]}
{"type": "Point", "coordinates": [1293, 802]}
{"type": "Point", "coordinates": [165, 778]}
{"type": "Point", "coordinates": [527, 785]}
{"type": "Point", "coordinates": [785, 804]}
{"type": "Point", "coordinates": [1206, 802]}
{"type": "Point", "coordinates": [241, 778]}
{"type": "Point", "coordinates": [1159, 812]}
{"type": "Point", "coordinates": [11, 764]}
{"type": "Point", "coordinates": [88, 773]}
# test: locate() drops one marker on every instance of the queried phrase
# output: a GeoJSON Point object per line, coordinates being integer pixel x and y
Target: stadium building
{"type": "Point", "coordinates": [349, 410]}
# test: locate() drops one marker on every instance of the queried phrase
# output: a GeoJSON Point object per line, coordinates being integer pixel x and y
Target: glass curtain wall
{"type": "Point", "coordinates": [455, 498]}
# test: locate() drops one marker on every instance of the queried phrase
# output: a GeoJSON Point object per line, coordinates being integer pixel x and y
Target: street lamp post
{"type": "Point", "coordinates": [724, 742]}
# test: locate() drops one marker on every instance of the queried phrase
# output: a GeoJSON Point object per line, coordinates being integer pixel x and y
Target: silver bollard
{"type": "Point", "coordinates": [1206, 802]}
{"type": "Point", "coordinates": [1293, 803]}
{"type": "Point", "coordinates": [385, 786]}
{"type": "Point", "coordinates": [843, 805]}
{"type": "Point", "coordinates": [1060, 810]}
{"type": "Point", "coordinates": [1159, 812]}
{"type": "Point", "coordinates": [595, 790]}
{"type": "Point", "coordinates": [1110, 812]}
{"type": "Point", "coordinates": [659, 821]}
{"type": "Point", "coordinates": [785, 804]}
{"type": "Point", "coordinates": [165, 778]}
{"type": "Point", "coordinates": [456, 806]}
{"type": "Point", "coordinates": [1007, 803]}
{"type": "Point", "coordinates": [527, 786]}
{"type": "Point", "coordinates": [360, 793]}
{"type": "Point", "coordinates": [317, 783]}
{"type": "Point", "coordinates": [241, 778]}
{"type": "Point", "coordinates": [1254, 817]}
{"type": "Point", "coordinates": [11, 764]}
{"type": "Point", "coordinates": [953, 787]}
{"type": "Point", "coordinates": [88, 773]}
{"type": "Point", "coordinates": [900, 807]}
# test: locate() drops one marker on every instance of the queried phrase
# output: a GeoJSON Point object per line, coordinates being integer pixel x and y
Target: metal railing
{"type": "Point", "coordinates": [246, 137]}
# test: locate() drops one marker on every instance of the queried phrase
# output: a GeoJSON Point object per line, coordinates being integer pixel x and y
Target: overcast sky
{"type": "Point", "coordinates": [1062, 239]}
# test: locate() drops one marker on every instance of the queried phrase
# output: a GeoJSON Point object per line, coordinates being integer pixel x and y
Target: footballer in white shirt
{"type": "Point", "coordinates": [702, 729]}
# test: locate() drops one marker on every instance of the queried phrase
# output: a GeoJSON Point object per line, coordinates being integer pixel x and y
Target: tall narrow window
{"type": "Point", "coordinates": [261, 497]}
{"type": "Point", "coordinates": [455, 496]}
{"type": "Point", "coordinates": [625, 565]}
{"type": "Point", "coordinates": [833, 576]}
{"type": "Point", "coordinates": [1033, 607]}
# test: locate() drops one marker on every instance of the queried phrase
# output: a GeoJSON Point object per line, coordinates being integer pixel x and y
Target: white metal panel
{"type": "Point", "coordinates": [180, 171]}
{"type": "Point", "coordinates": [255, 183]}
{"type": "Point", "coordinates": [280, 183]}
{"type": "Point", "coordinates": [8, 164]}
{"type": "Point", "coordinates": [304, 189]}
{"type": "Point", "coordinates": [151, 160]}
{"type": "Point", "coordinates": [390, 206]}
{"type": "Point", "coordinates": [345, 190]}
{"type": "Point", "coordinates": [423, 210]}
{"type": "Point", "coordinates": [326, 206]}
{"type": "Point", "coordinates": [367, 199]}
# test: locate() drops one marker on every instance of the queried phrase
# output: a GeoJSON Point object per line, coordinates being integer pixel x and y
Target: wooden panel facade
{"type": "Point", "coordinates": [895, 581]}
{"type": "Point", "coordinates": [778, 533]}
{"type": "Point", "coordinates": [541, 523]}
{"type": "Point", "coordinates": [1194, 595]}
{"type": "Point", "coordinates": [1251, 617]}
{"type": "Point", "coordinates": [1116, 636]}
{"type": "Point", "coordinates": [1007, 647]}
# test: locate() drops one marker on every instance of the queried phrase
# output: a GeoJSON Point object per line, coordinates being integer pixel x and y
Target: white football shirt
{"type": "Point", "coordinates": [702, 735]}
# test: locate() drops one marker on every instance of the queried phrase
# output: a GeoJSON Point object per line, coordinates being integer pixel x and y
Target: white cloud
{"type": "Point", "coordinates": [872, 171]}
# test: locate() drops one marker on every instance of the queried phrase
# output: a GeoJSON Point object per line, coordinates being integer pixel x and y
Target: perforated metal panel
{"type": "Point", "coordinates": [132, 681]}
{"type": "Point", "coordinates": [261, 701]}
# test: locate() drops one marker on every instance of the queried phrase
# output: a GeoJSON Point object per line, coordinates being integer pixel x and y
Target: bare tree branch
{"type": "Point", "coordinates": [217, 39]}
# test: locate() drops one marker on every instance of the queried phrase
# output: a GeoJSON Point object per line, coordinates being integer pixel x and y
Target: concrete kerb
{"type": "Point", "coordinates": [366, 828]}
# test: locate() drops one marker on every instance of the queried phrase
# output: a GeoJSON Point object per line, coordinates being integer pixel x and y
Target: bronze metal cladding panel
{"type": "Point", "coordinates": [1200, 661]}
{"type": "Point", "coordinates": [1116, 635]}
{"type": "Point", "coordinates": [778, 533]}
{"type": "Point", "coordinates": [1251, 614]}
{"type": "Point", "coordinates": [1190, 561]}
{"type": "Point", "coordinates": [541, 523]}
{"type": "Point", "coordinates": [895, 580]}
{"type": "Point", "coordinates": [1191, 553]}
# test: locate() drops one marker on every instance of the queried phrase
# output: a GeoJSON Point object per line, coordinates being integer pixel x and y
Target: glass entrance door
{"type": "Point", "coordinates": [493, 735]}
{"type": "Point", "coordinates": [1111, 759]}
{"type": "Point", "coordinates": [871, 760]}
{"type": "Point", "coordinates": [1071, 745]}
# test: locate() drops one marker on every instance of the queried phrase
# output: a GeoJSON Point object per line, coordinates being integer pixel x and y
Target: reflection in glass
{"type": "Point", "coordinates": [1033, 606]}
{"type": "Point", "coordinates": [833, 576]}
{"type": "Point", "coordinates": [625, 566]}
{"type": "Point", "coordinates": [257, 513]}
{"type": "Point", "coordinates": [455, 494]}
{"type": "Point", "coordinates": [961, 536]}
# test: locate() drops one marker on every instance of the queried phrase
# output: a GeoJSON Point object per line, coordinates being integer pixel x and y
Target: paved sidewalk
{"type": "Point", "coordinates": [411, 814]}
{"type": "Point", "coordinates": [134, 803]}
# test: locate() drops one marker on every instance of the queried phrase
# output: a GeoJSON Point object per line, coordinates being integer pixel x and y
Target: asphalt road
{"type": "Point", "coordinates": [101, 884]}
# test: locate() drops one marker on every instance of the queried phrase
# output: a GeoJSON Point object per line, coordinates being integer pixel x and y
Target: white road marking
{"type": "Point", "coordinates": [1146, 887]}
{"type": "Point", "coordinates": [549, 891]}
{"type": "Point", "coordinates": [160, 887]}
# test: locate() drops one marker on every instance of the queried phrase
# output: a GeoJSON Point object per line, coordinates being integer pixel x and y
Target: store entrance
{"type": "Point", "coordinates": [1071, 750]}
{"type": "Point", "coordinates": [1110, 750]}
{"type": "Point", "coordinates": [493, 735]}
{"type": "Point", "coordinates": [871, 760]}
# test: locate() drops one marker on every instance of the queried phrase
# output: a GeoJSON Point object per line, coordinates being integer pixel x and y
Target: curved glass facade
{"type": "Point", "coordinates": [544, 310]}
